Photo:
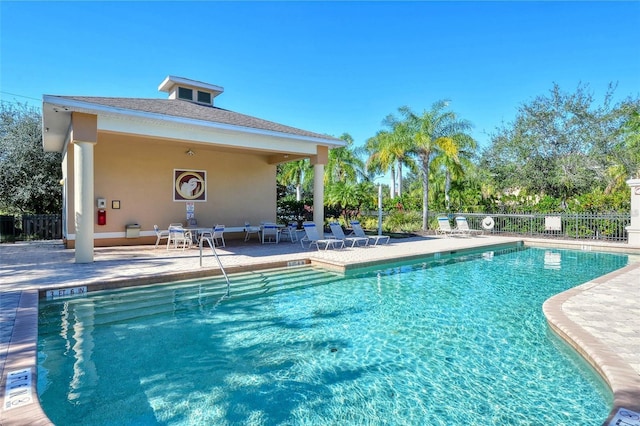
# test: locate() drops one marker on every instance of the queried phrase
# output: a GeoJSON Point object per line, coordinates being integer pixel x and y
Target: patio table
{"type": "Point", "coordinates": [196, 231]}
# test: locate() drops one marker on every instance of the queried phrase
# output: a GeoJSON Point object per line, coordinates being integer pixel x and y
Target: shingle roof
{"type": "Point", "coordinates": [191, 110]}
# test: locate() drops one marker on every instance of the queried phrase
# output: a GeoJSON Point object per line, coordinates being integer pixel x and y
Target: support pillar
{"type": "Point", "coordinates": [83, 200]}
{"type": "Point", "coordinates": [318, 162]}
{"type": "Point", "coordinates": [318, 197]}
{"type": "Point", "coordinates": [633, 230]}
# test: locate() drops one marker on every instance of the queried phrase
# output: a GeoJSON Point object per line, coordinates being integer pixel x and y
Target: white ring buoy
{"type": "Point", "coordinates": [488, 223]}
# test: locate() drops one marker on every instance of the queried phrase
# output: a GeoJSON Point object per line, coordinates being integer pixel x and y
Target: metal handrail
{"type": "Point", "coordinates": [213, 249]}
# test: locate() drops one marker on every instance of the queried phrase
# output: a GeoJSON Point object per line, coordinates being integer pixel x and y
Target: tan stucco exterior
{"type": "Point", "coordinates": [138, 172]}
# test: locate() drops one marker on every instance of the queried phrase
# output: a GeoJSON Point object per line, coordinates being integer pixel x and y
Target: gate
{"type": "Point", "coordinates": [30, 227]}
{"type": "Point", "coordinates": [42, 227]}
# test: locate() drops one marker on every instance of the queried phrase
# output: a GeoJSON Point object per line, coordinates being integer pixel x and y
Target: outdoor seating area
{"type": "Point", "coordinates": [180, 237]}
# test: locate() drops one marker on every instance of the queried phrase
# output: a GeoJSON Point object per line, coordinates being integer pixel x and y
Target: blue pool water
{"type": "Point", "coordinates": [449, 341]}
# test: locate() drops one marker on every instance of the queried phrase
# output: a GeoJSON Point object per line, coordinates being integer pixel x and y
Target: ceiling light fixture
{"type": "Point", "coordinates": [190, 152]}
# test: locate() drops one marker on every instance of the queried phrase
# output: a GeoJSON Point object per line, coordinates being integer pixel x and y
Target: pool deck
{"type": "Point", "coordinates": [600, 318]}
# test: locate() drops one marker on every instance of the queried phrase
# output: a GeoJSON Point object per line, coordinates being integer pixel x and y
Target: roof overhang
{"type": "Point", "coordinates": [56, 118]}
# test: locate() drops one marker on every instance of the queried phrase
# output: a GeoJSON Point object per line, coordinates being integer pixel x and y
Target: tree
{"type": "Point", "coordinates": [389, 150]}
{"type": "Point", "coordinates": [29, 177]}
{"type": "Point", "coordinates": [381, 159]}
{"type": "Point", "coordinates": [343, 165]}
{"type": "Point", "coordinates": [349, 196]}
{"type": "Point", "coordinates": [455, 163]}
{"type": "Point", "coordinates": [296, 174]}
{"type": "Point", "coordinates": [399, 146]}
{"type": "Point", "coordinates": [630, 146]}
{"type": "Point", "coordinates": [436, 131]}
{"type": "Point", "coordinates": [561, 145]}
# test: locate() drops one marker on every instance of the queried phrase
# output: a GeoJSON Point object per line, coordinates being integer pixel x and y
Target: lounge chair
{"type": "Point", "coordinates": [161, 234]}
{"type": "Point", "coordinates": [271, 233]}
{"type": "Point", "coordinates": [313, 238]}
{"type": "Point", "coordinates": [338, 233]}
{"type": "Point", "coordinates": [462, 226]}
{"type": "Point", "coordinates": [359, 232]}
{"type": "Point", "coordinates": [444, 227]}
{"type": "Point", "coordinates": [179, 237]}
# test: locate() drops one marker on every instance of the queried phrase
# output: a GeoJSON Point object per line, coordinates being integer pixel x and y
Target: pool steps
{"type": "Point", "coordinates": [192, 295]}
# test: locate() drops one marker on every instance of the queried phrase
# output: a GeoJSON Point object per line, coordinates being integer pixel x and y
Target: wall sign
{"type": "Point", "coordinates": [189, 185]}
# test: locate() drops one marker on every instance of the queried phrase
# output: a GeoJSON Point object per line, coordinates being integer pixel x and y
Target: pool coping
{"type": "Point", "coordinates": [623, 381]}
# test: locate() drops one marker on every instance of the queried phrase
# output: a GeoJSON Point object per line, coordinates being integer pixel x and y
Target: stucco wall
{"type": "Point", "coordinates": [139, 173]}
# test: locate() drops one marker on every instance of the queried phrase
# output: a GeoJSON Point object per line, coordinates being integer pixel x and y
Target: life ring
{"type": "Point", "coordinates": [488, 223]}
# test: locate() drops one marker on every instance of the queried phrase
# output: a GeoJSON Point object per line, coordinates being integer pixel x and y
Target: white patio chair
{"type": "Point", "coordinates": [179, 237]}
{"type": "Point", "coordinates": [338, 233]}
{"type": "Point", "coordinates": [289, 231]}
{"type": "Point", "coordinates": [444, 227]}
{"type": "Point", "coordinates": [271, 233]}
{"type": "Point", "coordinates": [251, 230]}
{"type": "Point", "coordinates": [161, 234]}
{"type": "Point", "coordinates": [217, 235]}
{"type": "Point", "coordinates": [313, 238]}
{"type": "Point", "coordinates": [359, 232]}
{"type": "Point", "coordinates": [462, 226]}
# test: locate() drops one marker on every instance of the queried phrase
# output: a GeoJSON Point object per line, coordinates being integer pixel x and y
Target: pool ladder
{"type": "Point", "coordinates": [213, 249]}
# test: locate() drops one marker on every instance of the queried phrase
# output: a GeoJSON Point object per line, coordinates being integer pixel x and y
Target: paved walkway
{"type": "Point", "coordinates": [600, 318]}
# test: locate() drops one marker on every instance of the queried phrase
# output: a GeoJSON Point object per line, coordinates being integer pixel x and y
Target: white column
{"type": "Point", "coordinates": [83, 200]}
{"type": "Point", "coordinates": [318, 197]}
{"type": "Point", "coordinates": [633, 230]}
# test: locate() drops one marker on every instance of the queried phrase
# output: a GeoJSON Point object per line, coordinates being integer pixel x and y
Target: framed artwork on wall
{"type": "Point", "coordinates": [189, 185]}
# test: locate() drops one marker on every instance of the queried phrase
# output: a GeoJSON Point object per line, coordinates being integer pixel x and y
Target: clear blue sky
{"type": "Point", "coordinates": [329, 67]}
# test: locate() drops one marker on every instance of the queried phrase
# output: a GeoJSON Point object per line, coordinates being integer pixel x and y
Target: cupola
{"type": "Point", "coordinates": [190, 90]}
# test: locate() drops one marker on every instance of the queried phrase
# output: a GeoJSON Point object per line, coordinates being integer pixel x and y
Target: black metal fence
{"type": "Point", "coordinates": [609, 227]}
{"type": "Point", "coordinates": [581, 226]}
{"type": "Point", "coordinates": [30, 227]}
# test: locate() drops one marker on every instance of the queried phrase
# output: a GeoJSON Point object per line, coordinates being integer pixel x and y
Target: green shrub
{"type": "Point", "coordinates": [402, 221]}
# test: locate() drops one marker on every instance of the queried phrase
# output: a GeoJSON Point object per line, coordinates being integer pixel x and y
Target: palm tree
{"type": "Point", "coordinates": [434, 132]}
{"type": "Point", "coordinates": [454, 164]}
{"type": "Point", "coordinates": [399, 144]}
{"type": "Point", "coordinates": [389, 149]}
{"type": "Point", "coordinates": [294, 173]}
{"type": "Point", "coordinates": [382, 159]}
{"type": "Point", "coordinates": [343, 163]}
{"type": "Point", "coordinates": [349, 196]}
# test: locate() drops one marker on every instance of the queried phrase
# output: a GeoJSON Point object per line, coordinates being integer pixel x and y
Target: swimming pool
{"type": "Point", "coordinates": [454, 340]}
